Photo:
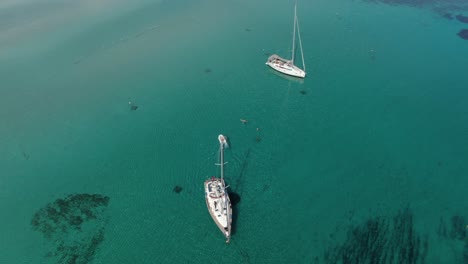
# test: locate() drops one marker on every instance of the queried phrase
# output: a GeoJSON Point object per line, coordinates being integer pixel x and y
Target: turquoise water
{"type": "Point", "coordinates": [376, 133]}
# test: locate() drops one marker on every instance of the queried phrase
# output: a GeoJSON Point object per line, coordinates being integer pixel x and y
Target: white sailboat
{"type": "Point", "coordinates": [287, 66]}
{"type": "Point", "coordinates": [217, 198]}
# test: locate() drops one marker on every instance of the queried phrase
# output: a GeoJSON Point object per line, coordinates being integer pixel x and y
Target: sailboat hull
{"type": "Point", "coordinates": [219, 205]}
{"type": "Point", "coordinates": [285, 66]}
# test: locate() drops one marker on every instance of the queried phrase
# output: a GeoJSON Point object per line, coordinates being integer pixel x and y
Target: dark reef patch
{"type": "Point", "coordinates": [463, 34]}
{"type": "Point", "coordinates": [208, 70]}
{"type": "Point", "coordinates": [447, 16]}
{"type": "Point", "coordinates": [442, 229]}
{"type": "Point", "coordinates": [73, 226]}
{"type": "Point", "coordinates": [465, 253]}
{"type": "Point", "coordinates": [462, 18]}
{"type": "Point", "coordinates": [441, 7]}
{"type": "Point", "coordinates": [248, 29]}
{"type": "Point", "coordinates": [458, 224]}
{"type": "Point", "coordinates": [445, 8]}
{"type": "Point", "coordinates": [455, 229]}
{"type": "Point", "coordinates": [177, 189]}
{"type": "Point", "coordinates": [303, 92]}
{"type": "Point", "coordinates": [258, 139]}
{"type": "Point", "coordinates": [452, 4]}
{"type": "Point", "coordinates": [381, 240]}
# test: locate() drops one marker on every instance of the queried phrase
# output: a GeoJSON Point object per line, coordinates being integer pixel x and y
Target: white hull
{"type": "Point", "coordinates": [223, 141]}
{"type": "Point", "coordinates": [285, 66]}
{"type": "Point", "coordinates": [219, 205]}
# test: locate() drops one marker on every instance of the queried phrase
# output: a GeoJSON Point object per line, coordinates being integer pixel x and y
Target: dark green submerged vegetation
{"type": "Point", "coordinates": [74, 226]}
{"type": "Point", "coordinates": [381, 240]}
{"type": "Point", "coordinates": [463, 34]}
{"type": "Point", "coordinates": [446, 8]}
{"type": "Point", "coordinates": [394, 240]}
{"type": "Point", "coordinates": [437, 5]}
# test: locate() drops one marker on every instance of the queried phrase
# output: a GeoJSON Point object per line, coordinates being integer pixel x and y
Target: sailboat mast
{"type": "Point", "coordinates": [221, 162]}
{"type": "Point", "coordinates": [294, 32]}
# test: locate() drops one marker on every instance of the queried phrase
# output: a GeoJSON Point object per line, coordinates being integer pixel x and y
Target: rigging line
{"type": "Point", "coordinates": [300, 43]}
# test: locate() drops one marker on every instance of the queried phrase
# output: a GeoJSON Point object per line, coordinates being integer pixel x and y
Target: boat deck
{"type": "Point", "coordinates": [219, 205]}
{"type": "Point", "coordinates": [284, 66]}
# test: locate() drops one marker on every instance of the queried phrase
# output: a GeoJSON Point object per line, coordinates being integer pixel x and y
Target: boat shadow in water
{"type": "Point", "coordinates": [235, 199]}
{"type": "Point", "coordinates": [287, 77]}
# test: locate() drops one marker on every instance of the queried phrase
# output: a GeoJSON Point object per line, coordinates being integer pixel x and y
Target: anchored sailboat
{"type": "Point", "coordinates": [287, 66]}
{"type": "Point", "coordinates": [216, 196]}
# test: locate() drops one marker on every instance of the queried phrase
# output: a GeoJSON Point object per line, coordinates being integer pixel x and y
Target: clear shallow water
{"type": "Point", "coordinates": [372, 134]}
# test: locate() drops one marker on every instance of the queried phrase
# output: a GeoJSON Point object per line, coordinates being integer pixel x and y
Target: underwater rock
{"type": "Point", "coordinates": [177, 189]}
{"type": "Point", "coordinates": [73, 226]}
{"type": "Point", "coordinates": [463, 34]}
{"type": "Point", "coordinates": [207, 70]}
{"type": "Point", "coordinates": [381, 240]}
{"type": "Point", "coordinates": [462, 18]}
{"type": "Point", "coordinates": [303, 92]}
{"type": "Point", "coordinates": [258, 139]}
{"type": "Point", "coordinates": [248, 29]}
